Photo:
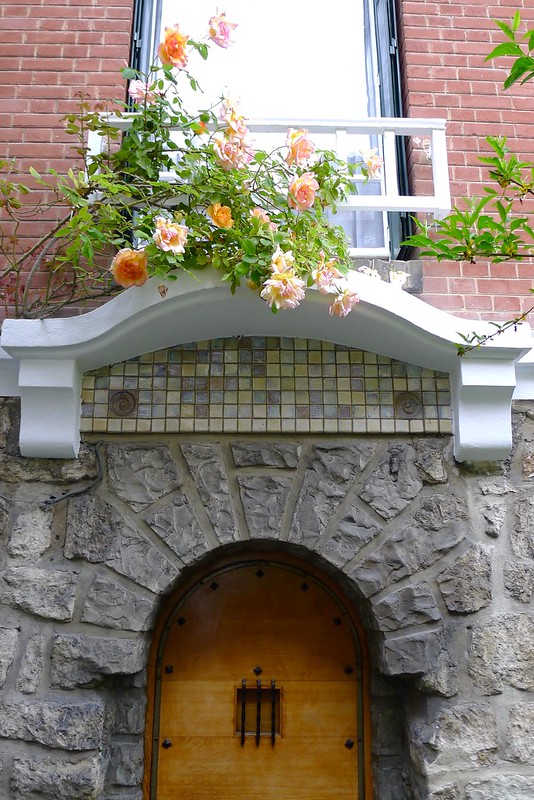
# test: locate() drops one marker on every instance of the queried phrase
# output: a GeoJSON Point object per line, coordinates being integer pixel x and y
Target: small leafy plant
{"type": "Point", "coordinates": [496, 226]}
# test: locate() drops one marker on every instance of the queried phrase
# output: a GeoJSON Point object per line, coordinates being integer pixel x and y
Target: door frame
{"type": "Point", "coordinates": [207, 573]}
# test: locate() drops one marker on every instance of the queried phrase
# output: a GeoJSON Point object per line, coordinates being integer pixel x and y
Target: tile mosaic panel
{"type": "Point", "coordinates": [265, 384]}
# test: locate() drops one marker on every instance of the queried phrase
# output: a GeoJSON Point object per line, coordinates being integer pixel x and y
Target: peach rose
{"type": "Point", "coordinates": [301, 148]}
{"type": "Point", "coordinates": [169, 236]}
{"type": "Point", "coordinates": [172, 49]}
{"type": "Point", "coordinates": [141, 92]}
{"type": "Point", "coordinates": [220, 30]}
{"type": "Point", "coordinates": [325, 275]}
{"type": "Point", "coordinates": [129, 268]}
{"type": "Point", "coordinates": [302, 191]}
{"type": "Point", "coordinates": [372, 161]}
{"type": "Point", "coordinates": [343, 303]}
{"type": "Point", "coordinates": [284, 289]}
{"type": "Point", "coordinates": [230, 154]}
{"type": "Point", "coordinates": [263, 216]}
{"type": "Point", "coordinates": [221, 216]}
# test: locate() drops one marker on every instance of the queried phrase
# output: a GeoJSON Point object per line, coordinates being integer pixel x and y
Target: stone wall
{"type": "Point", "coordinates": [438, 559]}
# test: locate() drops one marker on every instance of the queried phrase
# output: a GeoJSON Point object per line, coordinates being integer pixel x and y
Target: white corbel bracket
{"type": "Point", "coordinates": [43, 361]}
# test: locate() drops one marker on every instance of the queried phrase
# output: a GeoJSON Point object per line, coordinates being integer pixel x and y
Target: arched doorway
{"type": "Point", "coordinates": [258, 688]}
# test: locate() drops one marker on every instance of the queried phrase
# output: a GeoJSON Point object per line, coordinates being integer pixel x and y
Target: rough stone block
{"type": "Point", "coordinates": [501, 653]}
{"type": "Point", "coordinates": [500, 787]}
{"type": "Point", "coordinates": [264, 500]}
{"type": "Point", "coordinates": [395, 483]}
{"type": "Point", "coordinates": [141, 474]}
{"type": "Point", "coordinates": [518, 577]}
{"type": "Point", "coordinates": [98, 533]}
{"type": "Point", "coordinates": [412, 605]}
{"type": "Point", "coordinates": [129, 717]}
{"type": "Point", "coordinates": [176, 524]}
{"type": "Point", "coordinates": [113, 606]}
{"type": "Point", "coordinates": [4, 510]}
{"type": "Point", "coordinates": [463, 737]}
{"type": "Point", "coordinates": [331, 473]}
{"type": "Point", "coordinates": [493, 514]}
{"type": "Point", "coordinates": [413, 654]}
{"type": "Point", "coordinates": [8, 644]}
{"type": "Point", "coordinates": [442, 678]}
{"type": "Point", "coordinates": [32, 665]}
{"type": "Point", "coordinates": [355, 530]}
{"type": "Point", "coordinates": [54, 777]}
{"type": "Point", "coordinates": [31, 533]}
{"type": "Point", "coordinates": [448, 792]}
{"type": "Point", "coordinates": [431, 460]}
{"type": "Point", "coordinates": [266, 454]}
{"type": "Point", "coordinates": [85, 660]}
{"type": "Point", "coordinates": [68, 725]}
{"type": "Point", "coordinates": [205, 462]}
{"type": "Point", "coordinates": [46, 593]}
{"type": "Point", "coordinates": [16, 469]}
{"type": "Point", "coordinates": [522, 533]}
{"type": "Point", "coordinates": [126, 764]}
{"type": "Point", "coordinates": [520, 733]}
{"type": "Point", "coordinates": [92, 527]}
{"type": "Point", "coordinates": [437, 527]}
{"type": "Point", "coordinates": [466, 585]}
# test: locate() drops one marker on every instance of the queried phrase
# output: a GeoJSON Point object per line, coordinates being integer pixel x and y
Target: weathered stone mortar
{"type": "Point", "coordinates": [439, 560]}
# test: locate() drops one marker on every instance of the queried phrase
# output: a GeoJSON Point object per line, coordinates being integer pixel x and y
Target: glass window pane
{"type": "Point", "coordinates": [289, 60]}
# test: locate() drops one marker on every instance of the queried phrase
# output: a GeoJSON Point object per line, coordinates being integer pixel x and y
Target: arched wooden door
{"type": "Point", "coordinates": [258, 691]}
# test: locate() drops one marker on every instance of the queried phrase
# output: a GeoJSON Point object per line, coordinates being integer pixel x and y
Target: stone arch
{"type": "Point", "coordinates": [369, 512]}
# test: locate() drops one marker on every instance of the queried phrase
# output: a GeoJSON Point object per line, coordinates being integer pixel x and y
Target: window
{"type": "Point", "coordinates": [296, 64]}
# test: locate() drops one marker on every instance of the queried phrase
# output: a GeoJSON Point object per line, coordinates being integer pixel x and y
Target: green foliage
{"type": "Point", "coordinates": [494, 227]}
{"type": "Point", "coordinates": [519, 45]}
{"type": "Point", "coordinates": [161, 161]}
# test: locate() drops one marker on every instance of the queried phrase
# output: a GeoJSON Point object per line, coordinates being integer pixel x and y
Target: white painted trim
{"type": "Point", "coordinates": [53, 354]}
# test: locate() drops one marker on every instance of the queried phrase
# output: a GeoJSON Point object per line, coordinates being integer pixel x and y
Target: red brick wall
{"type": "Point", "coordinates": [443, 47]}
{"type": "Point", "coordinates": [50, 51]}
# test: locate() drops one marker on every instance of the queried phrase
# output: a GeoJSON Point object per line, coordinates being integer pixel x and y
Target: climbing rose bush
{"type": "Point", "coordinates": [175, 189]}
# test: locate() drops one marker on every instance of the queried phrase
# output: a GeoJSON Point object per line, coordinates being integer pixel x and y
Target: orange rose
{"type": "Point", "coordinates": [302, 191]}
{"type": "Point", "coordinates": [129, 268]}
{"type": "Point", "coordinates": [172, 49]}
{"type": "Point", "coordinates": [221, 216]}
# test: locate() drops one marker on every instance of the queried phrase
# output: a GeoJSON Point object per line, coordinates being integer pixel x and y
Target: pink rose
{"type": "Point", "coordinates": [343, 303]}
{"type": "Point", "coordinates": [169, 236]}
{"type": "Point", "coordinates": [301, 148]}
{"type": "Point", "coordinates": [302, 191]}
{"type": "Point", "coordinates": [220, 30]}
{"type": "Point", "coordinates": [141, 92]}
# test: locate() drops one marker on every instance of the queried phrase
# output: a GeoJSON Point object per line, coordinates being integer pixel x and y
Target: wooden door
{"type": "Point", "coordinates": [259, 692]}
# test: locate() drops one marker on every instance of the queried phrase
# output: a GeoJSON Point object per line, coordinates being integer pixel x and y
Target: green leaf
{"type": "Point", "coordinates": [129, 74]}
{"type": "Point", "coordinates": [249, 247]}
{"type": "Point", "coordinates": [505, 49]}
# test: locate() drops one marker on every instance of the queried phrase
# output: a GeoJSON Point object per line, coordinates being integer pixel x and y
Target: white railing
{"type": "Point", "coordinates": [348, 138]}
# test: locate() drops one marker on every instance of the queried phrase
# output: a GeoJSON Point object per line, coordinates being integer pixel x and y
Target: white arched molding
{"type": "Point", "coordinates": [43, 360]}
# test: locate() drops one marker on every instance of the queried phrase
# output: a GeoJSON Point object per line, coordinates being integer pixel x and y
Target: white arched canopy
{"type": "Point", "coordinates": [43, 360]}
